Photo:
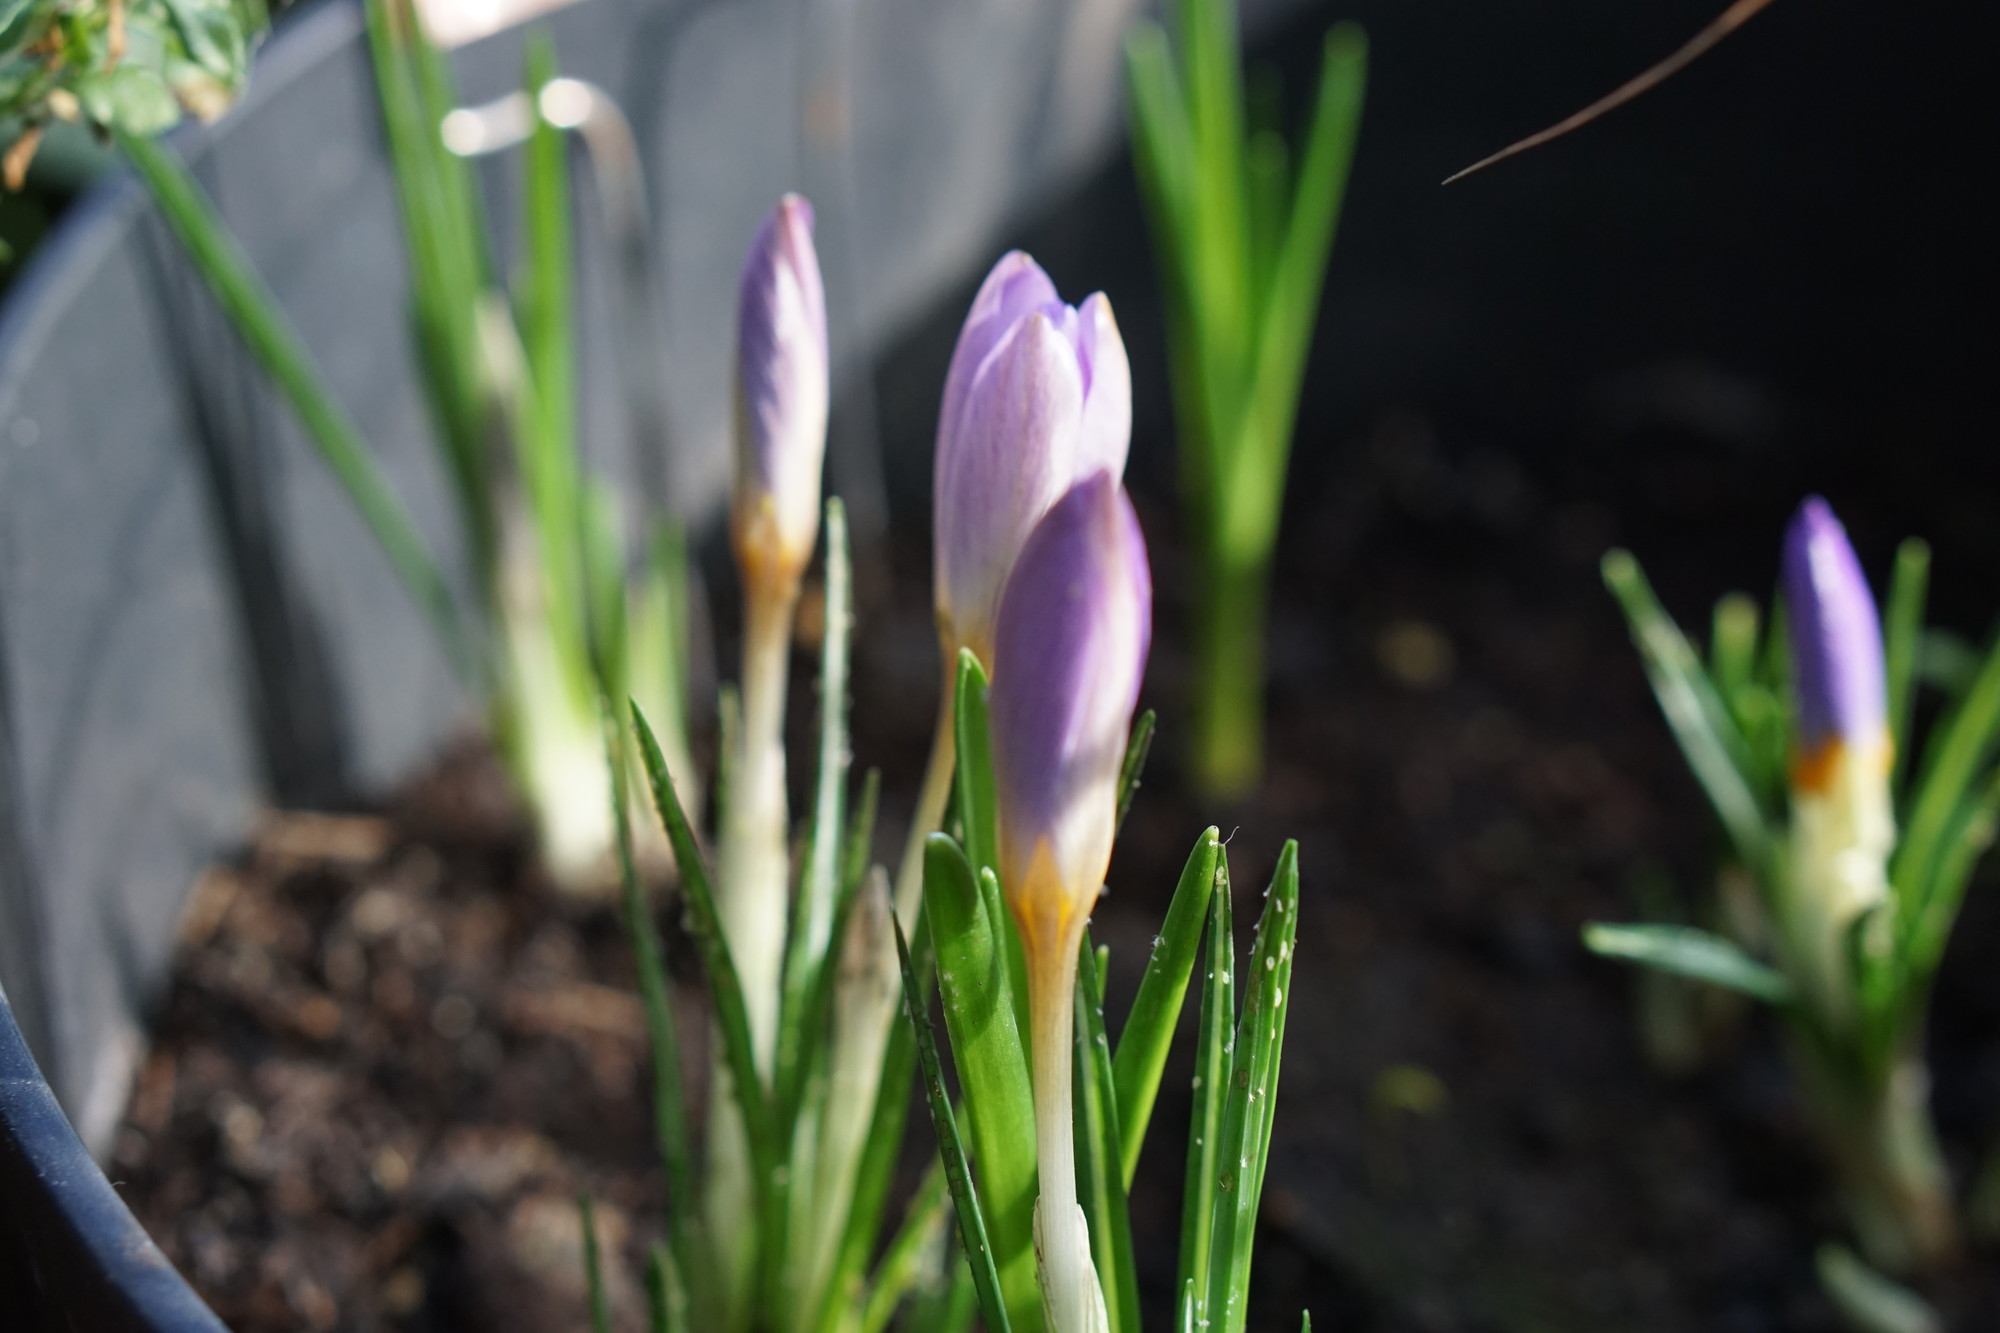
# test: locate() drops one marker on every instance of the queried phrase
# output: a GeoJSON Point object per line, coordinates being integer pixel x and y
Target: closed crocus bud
{"type": "Point", "coordinates": [1843, 828]}
{"type": "Point", "coordinates": [1069, 649]}
{"type": "Point", "coordinates": [1836, 644]}
{"type": "Point", "coordinates": [781, 399]}
{"type": "Point", "coordinates": [1039, 394]}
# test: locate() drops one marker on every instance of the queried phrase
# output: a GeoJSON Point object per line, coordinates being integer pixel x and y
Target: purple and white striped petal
{"type": "Point", "coordinates": [1039, 394]}
{"type": "Point", "coordinates": [1070, 648]}
{"type": "Point", "coordinates": [781, 395]}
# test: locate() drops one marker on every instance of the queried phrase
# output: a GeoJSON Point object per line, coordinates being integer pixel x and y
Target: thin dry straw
{"type": "Point", "coordinates": [1731, 19]}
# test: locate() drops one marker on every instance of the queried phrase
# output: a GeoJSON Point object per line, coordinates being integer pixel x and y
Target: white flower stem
{"type": "Point", "coordinates": [751, 875]}
{"type": "Point", "coordinates": [1068, 1276]}
{"type": "Point", "coordinates": [752, 865]}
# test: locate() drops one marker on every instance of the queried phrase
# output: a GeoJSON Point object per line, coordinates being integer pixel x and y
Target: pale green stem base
{"type": "Point", "coordinates": [1884, 1152]}
{"type": "Point", "coordinates": [1228, 755]}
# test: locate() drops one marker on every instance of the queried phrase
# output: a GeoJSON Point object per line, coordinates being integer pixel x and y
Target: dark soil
{"type": "Point", "coordinates": [391, 1058]}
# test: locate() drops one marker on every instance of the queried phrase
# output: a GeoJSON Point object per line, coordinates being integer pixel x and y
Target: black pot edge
{"type": "Point", "coordinates": [72, 1256]}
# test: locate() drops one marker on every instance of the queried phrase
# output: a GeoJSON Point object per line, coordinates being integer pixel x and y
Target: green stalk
{"type": "Point", "coordinates": [1229, 677]}
{"type": "Point", "coordinates": [1243, 247]}
{"type": "Point", "coordinates": [1211, 1090]}
{"type": "Point", "coordinates": [593, 1267]}
{"type": "Point", "coordinates": [670, 1125]}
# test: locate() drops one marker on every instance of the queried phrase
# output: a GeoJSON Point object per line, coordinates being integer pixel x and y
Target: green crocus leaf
{"type": "Point", "coordinates": [1688, 952]}
{"type": "Point", "coordinates": [1156, 1010]}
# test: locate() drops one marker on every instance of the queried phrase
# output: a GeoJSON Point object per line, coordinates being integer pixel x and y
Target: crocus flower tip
{"type": "Point", "coordinates": [782, 392]}
{"type": "Point", "coordinates": [1836, 636]}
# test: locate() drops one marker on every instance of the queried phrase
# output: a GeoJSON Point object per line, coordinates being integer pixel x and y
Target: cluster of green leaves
{"type": "Point", "coordinates": [555, 615]}
{"type": "Point", "coordinates": [1243, 238]}
{"type": "Point", "coordinates": [130, 65]}
{"type": "Point", "coordinates": [495, 382]}
{"type": "Point", "coordinates": [783, 1112]}
{"type": "Point", "coordinates": [968, 939]}
{"type": "Point", "coordinates": [1732, 716]}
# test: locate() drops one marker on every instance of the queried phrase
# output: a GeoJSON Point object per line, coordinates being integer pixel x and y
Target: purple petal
{"type": "Point", "coordinates": [781, 368]}
{"type": "Point", "coordinates": [1069, 649]}
{"type": "Point", "coordinates": [1836, 635]}
{"type": "Point", "coordinates": [1011, 456]}
{"type": "Point", "coordinates": [1015, 286]}
{"type": "Point", "coordinates": [1014, 431]}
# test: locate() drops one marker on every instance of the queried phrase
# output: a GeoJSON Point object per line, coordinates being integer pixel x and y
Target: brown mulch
{"type": "Point", "coordinates": [392, 1057]}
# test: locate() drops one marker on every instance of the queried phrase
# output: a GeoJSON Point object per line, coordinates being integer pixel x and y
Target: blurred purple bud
{"type": "Point", "coordinates": [781, 396]}
{"type": "Point", "coordinates": [1069, 651]}
{"type": "Point", "coordinates": [1836, 635]}
{"type": "Point", "coordinates": [1039, 394]}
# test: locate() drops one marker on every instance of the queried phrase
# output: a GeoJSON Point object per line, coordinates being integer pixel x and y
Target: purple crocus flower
{"type": "Point", "coordinates": [1039, 394]}
{"type": "Point", "coordinates": [781, 398]}
{"type": "Point", "coordinates": [1069, 650]}
{"type": "Point", "coordinates": [1836, 640]}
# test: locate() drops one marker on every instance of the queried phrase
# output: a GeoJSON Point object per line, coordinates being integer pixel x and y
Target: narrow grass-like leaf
{"type": "Point", "coordinates": [1732, 646]}
{"type": "Point", "coordinates": [449, 264]}
{"type": "Point", "coordinates": [1248, 524]}
{"type": "Point", "coordinates": [878, 1166]}
{"type": "Point", "coordinates": [1689, 952]}
{"type": "Point", "coordinates": [269, 334]}
{"type": "Point", "coordinates": [978, 821]}
{"type": "Point", "coordinates": [725, 990]}
{"type": "Point", "coordinates": [1162, 139]}
{"type": "Point", "coordinates": [811, 1022]}
{"type": "Point", "coordinates": [899, 1268]}
{"type": "Point", "coordinates": [1015, 979]}
{"type": "Point", "coordinates": [815, 907]}
{"type": "Point", "coordinates": [670, 1117]}
{"type": "Point", "coordinates": [666, 1293]}
{"type": "Point", "coordinates": [1958, 748]}
{"type": "Point", "coordinates": [1972, 833]}
{"type": "Point", "coordinates": [1211, 1091]}
{"type": "Point", "coordinates": [1902, 635]}
{"type": "Point", "coordinates": [1156, 1010]}
{"type": "Point", "coordinates": [545, 424]}
{"type": "Point", "coordinates": [1129, 772]}
{"type": "Point", "coordinates": [951, 1149]}
{"type": "Point", "coordinates": [1253, 1090]}
{"type": "Point", "coordinates": [976, 802]}
{"type": "Point", "coordinates": [1100, 1172]}
{"type": "Point", "coordinates": [593, 1267]}
{"type": "Point", "coordinates": [1869, 1302]}
{"type": "Point", "coordinates": [992, 1065]}
{"type": "Point", "coordinates": [1707, 735]}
